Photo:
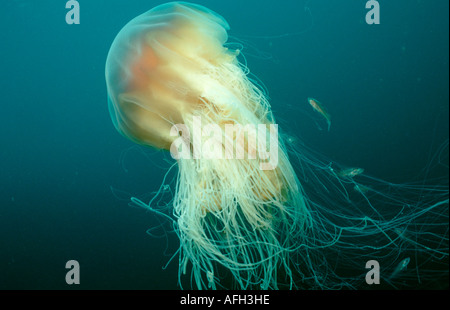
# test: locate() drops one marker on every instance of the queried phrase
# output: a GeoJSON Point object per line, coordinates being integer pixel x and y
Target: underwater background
{"type": "Point", "coordinates": [66, 174]}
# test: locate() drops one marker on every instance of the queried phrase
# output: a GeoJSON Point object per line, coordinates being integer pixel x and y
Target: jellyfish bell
{"type": "Point", "coordinates": [157, 69]}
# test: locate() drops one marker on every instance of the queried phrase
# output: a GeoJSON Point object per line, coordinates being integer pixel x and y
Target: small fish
{"type": "Point", "coordinates": [321, 109]}
{"type": "Point", "coordinates": [401, 266]}
{"type": "Point", "coordinates": [350, 172]}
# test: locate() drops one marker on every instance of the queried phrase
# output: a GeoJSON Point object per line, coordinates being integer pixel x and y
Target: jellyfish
{"type": "Point", "coordinates": [168, 68]}
{"type": "Point", "coordinates": [239, 209]}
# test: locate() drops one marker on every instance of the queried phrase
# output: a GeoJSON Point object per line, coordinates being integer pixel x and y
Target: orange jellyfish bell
{"type": "Point", "coordinates": [159, 66]}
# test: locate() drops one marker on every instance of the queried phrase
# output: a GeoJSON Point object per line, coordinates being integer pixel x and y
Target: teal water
{"type": "Point", "coordinates": [66, 175]}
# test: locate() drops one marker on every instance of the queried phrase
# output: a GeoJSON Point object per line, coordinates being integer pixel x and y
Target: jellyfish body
{"type": "Point", "coordinates": [169, 67]}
